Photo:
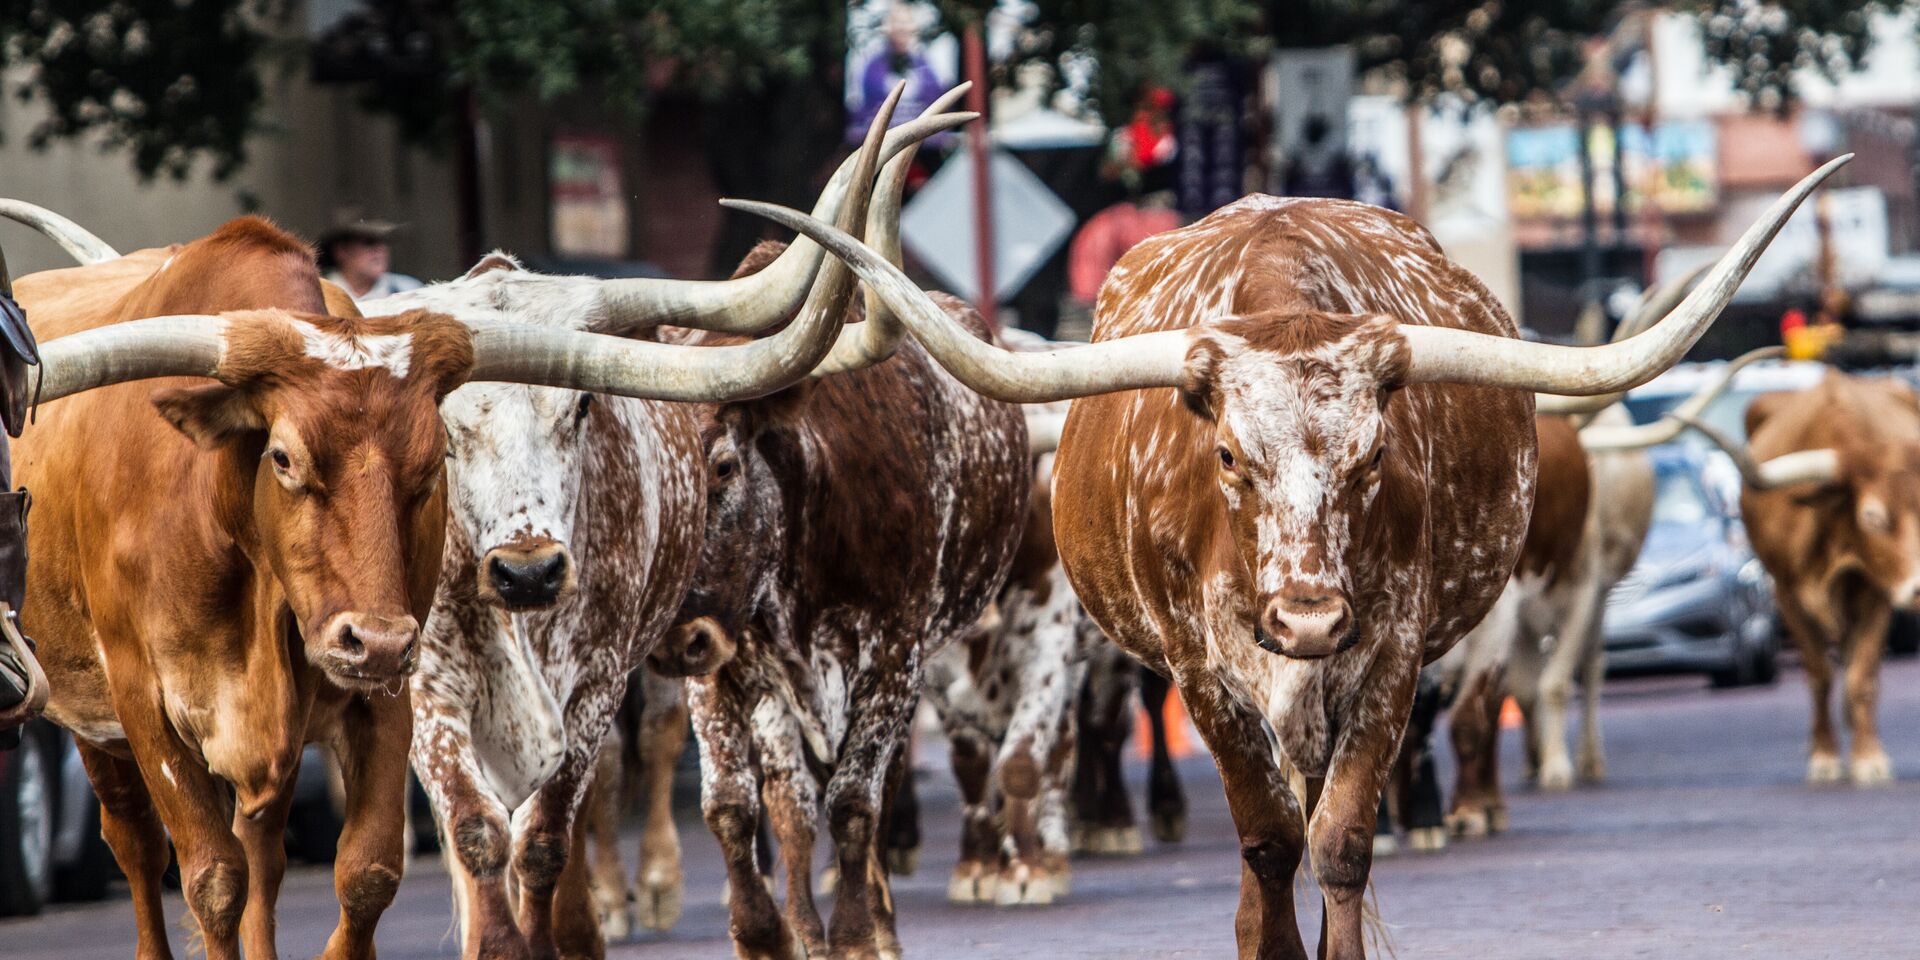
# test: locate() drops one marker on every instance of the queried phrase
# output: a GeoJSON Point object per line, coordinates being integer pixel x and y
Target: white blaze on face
{"type": "Point", "coordinates": [1301, 438]}
{"type": "Point", "coordinates": [393, 351]}
{"type": "Point", "coordinates": [517, 461]}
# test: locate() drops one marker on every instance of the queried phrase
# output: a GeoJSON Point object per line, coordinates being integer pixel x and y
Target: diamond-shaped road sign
{"type": "Point", "coordinates": [1029, 224]}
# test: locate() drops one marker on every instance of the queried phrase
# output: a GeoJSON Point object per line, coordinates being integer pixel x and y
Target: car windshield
{"type": "Point", "coordinates": [1678, 499]}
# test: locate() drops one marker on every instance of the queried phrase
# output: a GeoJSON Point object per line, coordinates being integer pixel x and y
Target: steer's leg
{"type": "Point", "coordinates": [1166, 801]}
{"type": "Point", "coordinates": [1823, 760]}
{"type": "Point", "coordinates": [883, 695]}
{"type": "Point", "coordinates": [556, 899]}
{"type": "Point", "coordinates": [198, 810]}
{"type": "Point", "coordinates": [1867, 762]}
{"type": "Point", "coordinates": [265, 840]}
{"type": "Point", "coordinates": [1592, 760]}
{"type": "Point", "coordinates": [792, 797]}
{"type": "Point", "coordinates": [139, 842]}
{"type": "Point", "coordinates": [663, 737]}
{"type": "Point", "coordinates": [977, 874]}
{"type": "Point", "coordinates": [730, 802]}
{"type": "Point", "coordinates": [1579, 603]}
{"type": "Point", "coordinates": [1266, 815]}
{"type": "Point", "coordinates": [600, 817]}
{"type": "Point", "coordinates": [1342, 825]}
{"type": "Point", "coordinates": [371, 742]}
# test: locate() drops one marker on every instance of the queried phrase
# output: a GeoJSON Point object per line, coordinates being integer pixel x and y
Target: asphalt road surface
{"type": "Point", "coordinates": [1705, 843]}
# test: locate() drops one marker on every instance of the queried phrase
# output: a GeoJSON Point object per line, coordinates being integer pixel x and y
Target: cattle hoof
{"type": "Point", "coordinates": [1823, 768]}
{"type": "Point", "coordinates": [1170, 827]}
{"type": "Point", "coordinates": [1497, 820]}
{"type": "Point", "coordinates": [1056, 867]}
{"type": "Point", "coordinates": [1556, 775]}
{"type": "Point", "coordinates": [1467, 823]}
{"type": "Point", "coordinates": [1427, 839]}
{"type": "Point", "coordinates": [1115, 842]}
{"type": "Point", "coordinates": [1874, 770]}
{"type": "Point", "coordinates": [829, 879]}
{"type": "Point", "coordinates": [903, 861]}
{"type": "Point", "coordinates": [658, 903]}
{"type": "Point", "coordinates": [1385, 845]}
{"type": "Point", "coordinates": [971, 883]}
{"type": "Point", "coordinates": [1593, 768]}
{"type": "Point", "coordinates": [616, 922]}
{"type": "Point", "coordinates": [1022, 886]}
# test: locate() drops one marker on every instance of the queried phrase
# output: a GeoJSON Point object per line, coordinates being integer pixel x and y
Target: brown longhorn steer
{"type": "Point", "coordinates": [854, 526]}
{"type": "Point", "coordinates": [234, 569]}
{"type": "Point", "coordinates": [1832, 505]}
{"type": "Point", "coordinates": [1316, 478]}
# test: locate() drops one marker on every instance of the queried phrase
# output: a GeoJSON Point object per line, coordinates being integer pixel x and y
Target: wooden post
{"type": "Point", "coordinates": [976, 71]}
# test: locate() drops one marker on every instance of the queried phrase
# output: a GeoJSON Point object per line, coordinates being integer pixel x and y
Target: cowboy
{"type": "Point", "coordinates": [355, 255]}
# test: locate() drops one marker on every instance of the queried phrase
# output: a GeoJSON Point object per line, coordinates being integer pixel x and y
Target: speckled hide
{"type": "Point", "coordinates": [855, 525]}
{"type": "Point", "coordinates": [1006, 697]}
{"type": "Point", "coordinates": [603, 498]}
{"type": "Point", "coordinates": [1292, 480]}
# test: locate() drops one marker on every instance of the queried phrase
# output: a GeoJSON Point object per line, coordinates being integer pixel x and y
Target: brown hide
{"type": "Point", "coordinates": [189, 573]}
{"type": "Point", "coordinates": [1559, 501]}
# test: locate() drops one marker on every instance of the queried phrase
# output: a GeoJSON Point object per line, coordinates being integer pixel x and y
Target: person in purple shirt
{"type": "Point", "coordinates": [901, 59]}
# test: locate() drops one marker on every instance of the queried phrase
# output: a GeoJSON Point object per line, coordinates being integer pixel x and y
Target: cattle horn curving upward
{"type": "Point", "coordinates": [195, 345]}
{"type": "Point", "coordinates": [1606, 439]}
{"type": "Point", "coordinates": [1821, 467]}
{"type": "Point", "coordinates": [1434, 354]}
{"type": "Point", "coordinates": [1656, 304]}
{"type": "Point", "coordinates": [759, 300]}
{"type": "Point", "coordinates": [72, 237]}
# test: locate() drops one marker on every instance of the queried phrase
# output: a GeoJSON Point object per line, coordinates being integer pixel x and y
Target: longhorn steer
{"type": "Point", "coordinates": [575, 526]}
{"type": "Point", "coordinates": [246, 569]}
{"type": "Point", "coordinates": [854, 526]}
{"type": "Point", "coordinates": [1832, 505]}
{"type": "Point", "coordinates": [1334, 493]}
{"type": "Point", "coordinates": [1006, 697]}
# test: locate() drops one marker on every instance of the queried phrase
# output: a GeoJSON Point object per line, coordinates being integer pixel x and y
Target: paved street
{"type": "Point", "coordinates": [1704, 844]}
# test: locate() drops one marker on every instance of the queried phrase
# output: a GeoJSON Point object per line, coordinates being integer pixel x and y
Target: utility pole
{"type": "Point", "coordinates": [976, 71]}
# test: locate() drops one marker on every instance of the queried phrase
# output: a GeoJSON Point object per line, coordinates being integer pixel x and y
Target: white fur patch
{"type": "Point", "coordinates": [393, 351]}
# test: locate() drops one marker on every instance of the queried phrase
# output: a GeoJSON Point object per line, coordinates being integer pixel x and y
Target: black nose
{"type": "Point", "coordinates": [531, 581]}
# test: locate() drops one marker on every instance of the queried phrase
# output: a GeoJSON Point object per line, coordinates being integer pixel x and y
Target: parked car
{"type": "Point", "coordinates": [50, 845]}
{"type": "Point", "coordinates": [1697, 599]}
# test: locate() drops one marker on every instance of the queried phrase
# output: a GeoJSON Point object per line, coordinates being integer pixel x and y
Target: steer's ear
{"type": "Point", "coordinates": [211, 415]}
{"type": "Point", "coordinates": [1198, 386]}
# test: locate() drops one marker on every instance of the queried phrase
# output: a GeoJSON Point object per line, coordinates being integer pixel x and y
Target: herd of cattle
{"type": "Point", "coordinates": [1304, 476]}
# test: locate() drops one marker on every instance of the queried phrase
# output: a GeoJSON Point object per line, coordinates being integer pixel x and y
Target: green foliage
{"type": "Point", "coordinates": [164, 80]}
{"type": "Point", "coordinates": [169, 80]}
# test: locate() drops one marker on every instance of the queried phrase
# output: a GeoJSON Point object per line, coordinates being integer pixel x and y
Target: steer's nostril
{"type": "Point", "coordinates": [556, 572]}
{"type": "Point", "coordinates": [350, 642]}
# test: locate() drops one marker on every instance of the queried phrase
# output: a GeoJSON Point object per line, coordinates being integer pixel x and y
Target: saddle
{"type": "Point", "coordinates": [23, 685]}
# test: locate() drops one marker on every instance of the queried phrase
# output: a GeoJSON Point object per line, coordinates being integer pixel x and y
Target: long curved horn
{"type": "Point", "coordinates": [875, 338]}
{"type": "Point", "coordinates": [1821, 466]}
{"type": "Point", "coordinates": [1613, 439]}
{"type": "Point", "coordinates": [1447, 355]}
{"type": "Point", "coordinates": [1438, 354]}
{"type": "Point", "coordinates": [601, 363]}
{"type": "Point", "coordinates": [1657, 303]}
{"type": "Point", "coordinates": [755, 302]}
{"type": "Point", "coordinates": [73, 238]}
{"type": "Point", "coordinates": [1146, 360]}
{"type": "Point", "coordinates": [178, 346]}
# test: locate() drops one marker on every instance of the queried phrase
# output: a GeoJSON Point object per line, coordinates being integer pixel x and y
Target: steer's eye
{"type": "Point", "coordinates": [281, 461]}
{"type": "Point", "coordinates": [725, 469]}
{"type": "Point", "coordinates": [1226, 458]}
